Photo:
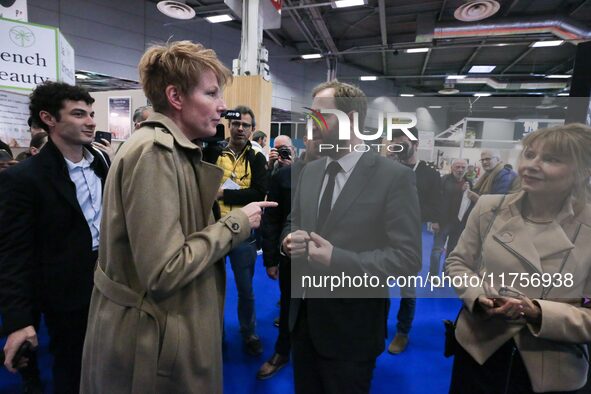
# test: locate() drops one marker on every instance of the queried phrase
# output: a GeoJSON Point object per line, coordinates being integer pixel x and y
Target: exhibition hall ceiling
{"type": "Point", "coordinates": [428, 48]}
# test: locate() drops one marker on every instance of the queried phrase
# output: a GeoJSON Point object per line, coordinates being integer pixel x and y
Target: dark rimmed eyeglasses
{"type": "Point", "coordinates": [237, 124]}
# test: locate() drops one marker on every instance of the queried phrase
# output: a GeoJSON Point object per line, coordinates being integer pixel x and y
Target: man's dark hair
{"type": "Point", "coordinates": [243, 109]}
{"type": "Point", "coordinates": [413, 130]}
{"type": "Point", "coordinates": [38, 140]}
{"type": "Point", "coordinates": [259, 135]}
{"type": "Point", "coordinates": [32, 123]}
{"type": "Point", "coordinates": [50, 96]}
{"type": "Point", "coordinates": [5, 146]}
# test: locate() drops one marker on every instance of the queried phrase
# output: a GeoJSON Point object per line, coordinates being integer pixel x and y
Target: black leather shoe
{"type": "Point", "coordinates": [272, 366]}
{"type": "Point", "coordinates": [253, 346]}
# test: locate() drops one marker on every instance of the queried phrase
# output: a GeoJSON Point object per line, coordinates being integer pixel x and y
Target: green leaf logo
{"type": "Point", "coordinates": [21, 36]}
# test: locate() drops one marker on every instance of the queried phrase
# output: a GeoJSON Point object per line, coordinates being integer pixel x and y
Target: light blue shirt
{"type": "Point", "coordinates": [88, 193]}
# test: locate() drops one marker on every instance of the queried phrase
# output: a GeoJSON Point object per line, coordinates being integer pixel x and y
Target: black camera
{"type": "Point", "coordinates": [232, 115]}
{"type": "Point", "coordinates": [284, 152]}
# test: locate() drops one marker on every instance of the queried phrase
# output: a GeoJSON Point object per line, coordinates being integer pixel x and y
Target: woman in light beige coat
{"type": "Point", "coordinates": [524, 329]}
{"type": "Point", "coordinates": [156, 312]}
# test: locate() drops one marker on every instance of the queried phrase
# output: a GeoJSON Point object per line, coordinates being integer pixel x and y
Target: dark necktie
{"type": "Point", "coordinates": [325, 203]}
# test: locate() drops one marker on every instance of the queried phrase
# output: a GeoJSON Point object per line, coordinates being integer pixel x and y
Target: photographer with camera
{"type": "Point", "coordinates": [244, 181]}
{"type": "Point", "coordinates": [282, 154]}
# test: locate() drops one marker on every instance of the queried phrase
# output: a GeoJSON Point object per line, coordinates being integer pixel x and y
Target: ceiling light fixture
{"type": "Point", "coordinates": [368, 78]}
{"type": "Point", "coordinates": [551, 43]}
{"type": "Point", "coordinates": [435, 106]}
{"type": "Point", "coordinates": [456, 77]}
{"type": "Point", "coordinates": [500, 107]}
{"type": "Point", "coordinates": [559, 76]}
{"type": "Point", "coordinates": [481, 69]}
{"type": "Point", "coordinates": [311, 56]}
{"type": "Point", "coordinates": [407, 95]}
{"type": "Point", "coordinates": [347, 3]}
{"type": "Point", "coordinates": [482, 94]}
{"type": "Point", "coordinates": [219, 18]}
{"type": "Point", "coordinates": [417, 50]}
{"type": "Point", "coordinates": [563, 94]}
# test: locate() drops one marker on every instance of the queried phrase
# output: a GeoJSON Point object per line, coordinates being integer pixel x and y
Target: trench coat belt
{"type": "Point", "coordinates": [147, 363]}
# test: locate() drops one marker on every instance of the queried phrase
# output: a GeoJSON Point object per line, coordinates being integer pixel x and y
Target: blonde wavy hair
{"type": "Point", "coordinates": [573, 142]}
{"type": "Point", "coordinates": [180, 64]}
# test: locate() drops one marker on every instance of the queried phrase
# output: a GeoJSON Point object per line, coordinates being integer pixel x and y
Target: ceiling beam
{"type": "Point", "coordinates": [303, 5]}
{"type": "Point", "coordinates": [517, 60]}
{"type": "Point", "coordinates": [561, 66]}
{"type": "Point", "coordinates": [384, 34]}
{"type": "Point", "coordinates": [578, 8]}
{"type": "Point", "coordinates": [322, 30]}
{"type": "Point", "coordinates": [472, 56]}
{"type": "Point", "coordinates": [425, 62]}
{"type": "Point", "coordinates": [297, 19]}
{"type": "Point", "coordinates": [359, 21]}
{"type": "Point", "coordinates": [443, 4]}
{"type": "Point", "coordinates": [275, 38]}
{"type": "Point", "coordinates": [510, 8]}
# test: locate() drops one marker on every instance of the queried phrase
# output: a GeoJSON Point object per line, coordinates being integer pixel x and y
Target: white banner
{"type": "Point", "coordinates": [14, 113]}
{"type": "Point", "coordinates": [67, 71]}
{"type": "Point", "coordinates": [28, 54]}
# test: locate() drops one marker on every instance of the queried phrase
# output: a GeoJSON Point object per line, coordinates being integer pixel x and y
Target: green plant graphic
{"type": "Point", "coordinates": [21, 36]}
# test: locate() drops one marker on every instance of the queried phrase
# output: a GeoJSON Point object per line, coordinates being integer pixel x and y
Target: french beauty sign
{"type": "Point", "coordinates": [31, 54]}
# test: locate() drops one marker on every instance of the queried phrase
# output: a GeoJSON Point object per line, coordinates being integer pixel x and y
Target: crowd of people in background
{"type": "Point", "coordinates": [124, 253]}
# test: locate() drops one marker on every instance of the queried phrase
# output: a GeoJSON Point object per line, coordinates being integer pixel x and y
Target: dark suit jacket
{"type": "Point", "coordinates": [281, 186]}
{"type": "Point", "coordinates": [46, 262]}
{"type": "Point", "coordinates": [374, 227]}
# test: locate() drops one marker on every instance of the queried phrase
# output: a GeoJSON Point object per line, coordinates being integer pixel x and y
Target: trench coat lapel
{"type": "Point", "coordinates": [514, 236]}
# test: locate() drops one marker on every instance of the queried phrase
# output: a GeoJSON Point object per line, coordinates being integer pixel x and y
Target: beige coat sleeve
{"type": "Point", "coordinates": [563, 322]}
{"type": "Point", "coordinates": [463, 263]}
{"type": "Point", "coordinates": [166, 259]}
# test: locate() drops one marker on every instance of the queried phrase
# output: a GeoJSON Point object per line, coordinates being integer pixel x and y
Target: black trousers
{"type": "Point", "coordinates": [283, 343]}
{"type": "Point", "coordinates": [315, 374]}
{"type": "Point", "coordinates": [66, 341]}
{"type": "Point", "coordinates": [503, 373]}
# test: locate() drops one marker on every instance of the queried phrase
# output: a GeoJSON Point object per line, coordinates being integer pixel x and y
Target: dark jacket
{"type": "Point", "coordinates": [503, 181]}
{"type": "Point", "coordinates": [281, 184]}
{"type": "Point", "coordinates": [451, 198]}
{"type": "Point", "coordinates": [374, 228]}
{"type": "Point", "coordinates": [429, 189]}
{"type": "Point", "coordinates": [46, 258]}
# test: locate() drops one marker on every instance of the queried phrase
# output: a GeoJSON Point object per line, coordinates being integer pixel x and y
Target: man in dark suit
{"type": "Point", "coordinates": [50, 209]}
{"type": "Point", "coordinates": [366, 223]}
{"type": "Point", "coordinates": [278, 265]}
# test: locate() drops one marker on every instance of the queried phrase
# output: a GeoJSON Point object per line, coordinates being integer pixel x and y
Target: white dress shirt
{"type": "Point", "coordinates": [347, 163]}
{"type": "Point", "coordinates": [88, 193]}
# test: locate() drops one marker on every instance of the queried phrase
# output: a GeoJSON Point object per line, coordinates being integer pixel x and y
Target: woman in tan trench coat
{"type": "Point", "coordinates": [524, 329]}
{"type": "Point", "coordinates": [156, 312]}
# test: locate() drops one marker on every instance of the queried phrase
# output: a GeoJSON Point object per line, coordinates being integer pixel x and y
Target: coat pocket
{"type": "Point", "coordinates": [170, 346]}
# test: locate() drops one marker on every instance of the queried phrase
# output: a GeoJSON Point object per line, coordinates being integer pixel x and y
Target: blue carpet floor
{"type": "Point", "coordinates": [420, 369]}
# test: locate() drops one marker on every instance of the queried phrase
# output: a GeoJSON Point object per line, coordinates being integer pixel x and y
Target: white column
{"type": "Point", "coordinates": [252, 37]}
